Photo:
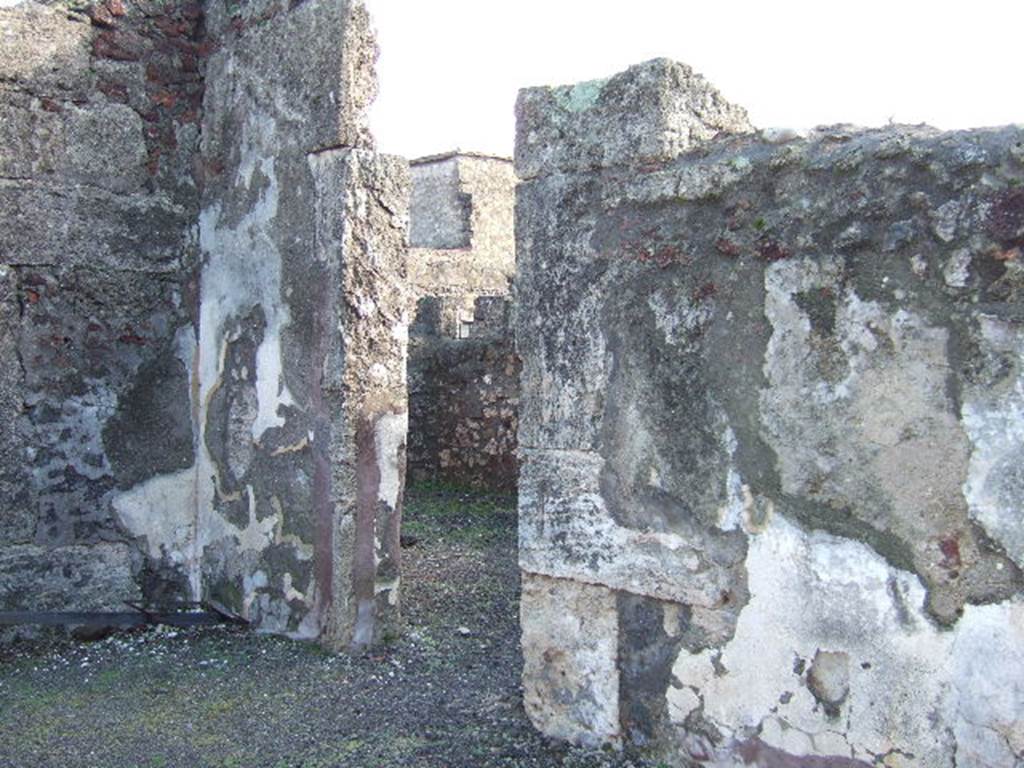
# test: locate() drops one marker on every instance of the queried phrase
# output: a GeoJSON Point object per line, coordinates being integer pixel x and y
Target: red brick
{"type": "Point", "coordinates": [101, 16]}
{"type": "Point", "coordinates": [114, 91]}
{"type": "Point", "coordinates": [119, 46]}
{"type": "Point", "coordinates": [172, 27]}
{"type": "Point", "coordinates": [164, 73]}
{"type": "Point", "coordinates": [164, 98]}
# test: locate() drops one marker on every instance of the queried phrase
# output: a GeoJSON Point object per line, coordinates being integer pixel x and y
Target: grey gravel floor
{"type": "Point", "coordinates": [445, 694]}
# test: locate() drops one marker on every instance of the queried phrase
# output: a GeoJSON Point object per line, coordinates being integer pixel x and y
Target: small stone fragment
{"type": "Point", "coordinates": [829, 679]}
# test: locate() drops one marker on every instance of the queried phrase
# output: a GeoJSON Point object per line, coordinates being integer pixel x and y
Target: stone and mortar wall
{"type": "Point", "coordinates": [203, 284]}
{"type": "Point", "coordinates": [464, 398]}
{"type": "Point", "coordinates": [298, 372]}
{"type": "Point", "coordinates": [461, 231]}
{"type": "Point", "coordinates": [771, 431]}
{"type": "Point", "coordinates": [463, 369]}
{"type": "Point", "coordinates": [99, 118]}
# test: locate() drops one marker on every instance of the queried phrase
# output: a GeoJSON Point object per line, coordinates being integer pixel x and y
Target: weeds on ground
{"type": "Point", "coordinates": [436, 511]}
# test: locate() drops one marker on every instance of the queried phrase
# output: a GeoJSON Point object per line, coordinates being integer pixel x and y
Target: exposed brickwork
{"type": "Point", "coordinates": [166, 43]}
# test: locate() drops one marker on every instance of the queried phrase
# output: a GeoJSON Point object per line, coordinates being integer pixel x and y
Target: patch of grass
{"type": "Point", "coordinates": [330, 755]}
{"type": "Point", "coordinates": [108, 679]}
{"type": "Point", "coordinates": [30, 700]}
{"type": "Point", "coordinates": [220, 707]}
{"type": "Point", "coordinates": [439, 511]}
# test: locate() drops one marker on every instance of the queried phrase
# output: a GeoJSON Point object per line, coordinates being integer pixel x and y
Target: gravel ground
{"type": "Point", "coordinates": [445, 694]}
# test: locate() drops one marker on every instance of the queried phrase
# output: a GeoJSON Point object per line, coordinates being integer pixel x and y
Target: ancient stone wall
{"type": "Point", "coordinates": [771, 428]}
{"type": "Point", "coordinates": [462, 243]}
{"type": "Point", "coordinates": [463, 370]}
{"type": "Point", "coordinates": [204, 285]}
{"type": "Point", "coordinates": [464, 398]}
{"type": "Point", "coordinates": [99, 120]}
{"type": "Point", "coordinates": [302, 332]}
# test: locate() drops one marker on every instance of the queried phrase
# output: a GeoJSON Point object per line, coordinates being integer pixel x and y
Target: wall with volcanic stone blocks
{"type": "Point", "coordinates": [463, 369]}
{"type": "Point", "coordinates": [464, 397]}
{"type": "Point", "coordinates": [771, 430]}
{"type": "Point", "coordinates": [99, 128]}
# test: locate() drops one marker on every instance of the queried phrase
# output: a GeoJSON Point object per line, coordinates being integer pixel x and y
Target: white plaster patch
{"type": "Point", "coordinates": [862, 410]}
{"type": "Point", "coordinates": [389, 587]}
{"type": "Point", "coordinates": [994, 422]}
{"type": "Point", "coordinates": [163, 510]}
{"type": "Point", "coordinates": [911, 684]}
{"type": "Point", "coordinates": [242, 270]}
{"type": "Point", "coordinates": [731, 513]}
{"type": "Point", "coordinates": [988, 681]}
{"type": "Point", "coordinates": [389, 438]}
{"type": "Point", "coordinates": [676, 317]}
{"type": "Point", "coordinates": [791, 329]}
{"type": "Point", "coordinates": [271, 390]}
{"type": "Point", "coordinates": [258, 534]}
{"type": "Point", "coordinates": [681, 703]}
{"type": "Point", "coordinates": [290, 592]}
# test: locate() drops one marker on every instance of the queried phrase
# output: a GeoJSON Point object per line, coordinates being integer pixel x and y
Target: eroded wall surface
{"type": "Point", "coordinates": [203, 284]}
{"type": "Point", "coordinates": [463, 369]}
{"type": "Point", "coordinates": [771, 426]}
{"type": "Point", "coordinates": [300, 388]}
{"type": "Point", "coordinates": [99, 117]}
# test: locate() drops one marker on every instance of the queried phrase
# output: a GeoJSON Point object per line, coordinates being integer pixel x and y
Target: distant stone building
{"type": "Point", "coordinates": [461, 232]}
{"type": "Point", "coordinates": [463, 370]}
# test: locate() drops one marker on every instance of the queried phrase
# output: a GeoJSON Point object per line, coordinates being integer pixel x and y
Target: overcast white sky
{"type": "Point", "coordinates": [450, 69]}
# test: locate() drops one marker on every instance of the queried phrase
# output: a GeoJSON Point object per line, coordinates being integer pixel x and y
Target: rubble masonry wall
{"type": "Point", "coordinates": [464, 397]}
{"type": "Point", "coordinates": [99, 192]}
{"type": "Point", "coordinates": [463, 369]}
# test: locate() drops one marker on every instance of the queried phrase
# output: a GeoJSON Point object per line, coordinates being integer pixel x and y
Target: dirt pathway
{"type": "Point", "coordinates": [444, 694]}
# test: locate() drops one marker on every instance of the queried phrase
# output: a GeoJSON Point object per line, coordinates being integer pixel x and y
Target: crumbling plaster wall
{"type": "Point", "coordinates": [771, 430]}
{"type": "Point", "coordinates": [99, 121]}
{"type": "Point", "coordinates": [205, 289]}
{"type": "Point", "coordinates": [299, 381]}
{"type": "Point", "coordinates": [463, 369]}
